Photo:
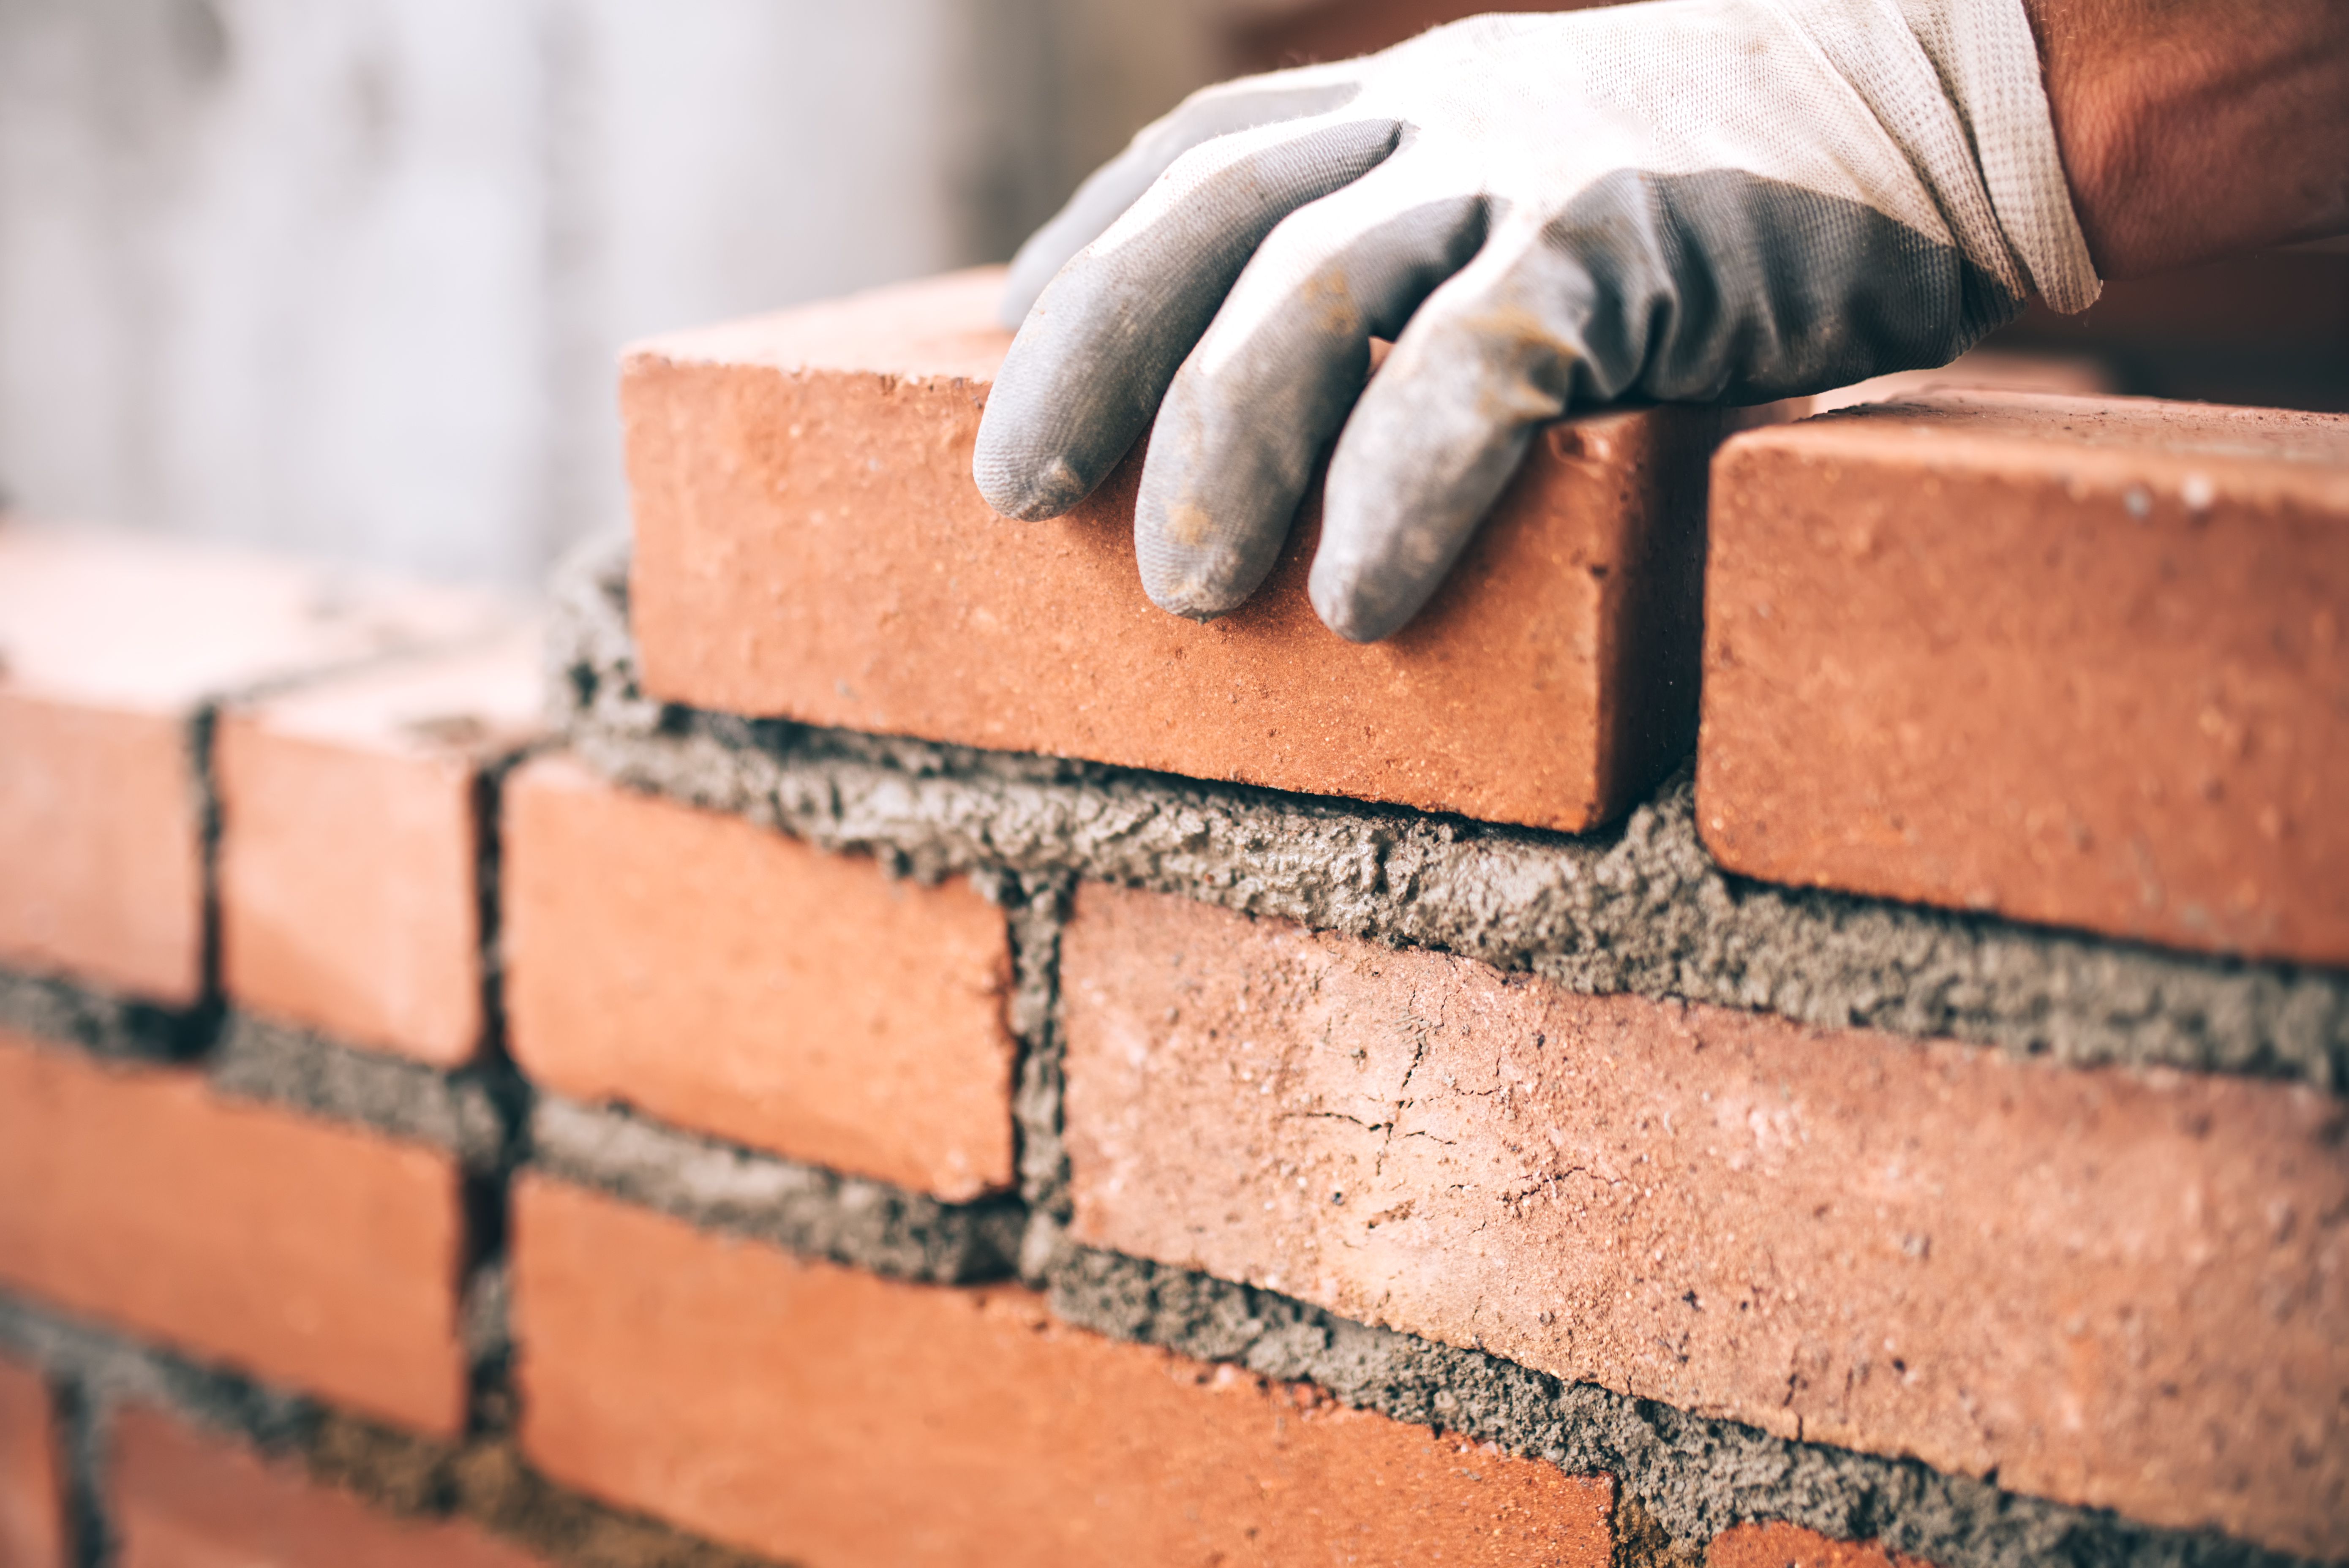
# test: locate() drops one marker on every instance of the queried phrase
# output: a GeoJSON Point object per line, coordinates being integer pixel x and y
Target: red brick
{"type": "Point", "coordinates": [2074, 661]}
{"type": "Point", "coordinates": [810, 543]}
{"type": "Point", "coordinates": [725, 979]}
{"type": "Point", "coordinates": [108, 644]}
{"type": "Point", "coordinates": [2114, 1288]}
{"type": "Point", "coordinates": [304, 1252]}
{"type": "Point", "coordinates": [830, 1417]}
{"type": "Point", "coordinates": [349, 901]}
{"type": "Point", "coordinates": [1977, 370]}
{"type": "Point", "coordinates": [1983, 370]}
{"type": "Point", "coordinates": [97, 828]}
{"type": "Point", "coordinates": [1791, 1546]}
{"type": "Point", "coordinates": [183, 1499]}
{"type": "Point", "coordinates": [32, 1491]}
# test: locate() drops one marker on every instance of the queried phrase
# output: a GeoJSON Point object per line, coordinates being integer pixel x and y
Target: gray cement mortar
{"type": "Point", "coordinates": [102, 1023]}
{"type": "Point", "coordinates": [1641, 908]}
{"type": "Point", "coordinates": [91, 1373]}
{"type": "Point", "coordinates": [1694, 1477]}
{"type": "Point", "coordinates": [110, 1370]}
{"type": "Point", "coordinates": [466, 1113]}
{"type": "Point", "coordinates": [819, 1213]}
{"type": "Point", "coordinates": [1036, 908]}
{"type": "Point", "coordinates": [458, 1112]}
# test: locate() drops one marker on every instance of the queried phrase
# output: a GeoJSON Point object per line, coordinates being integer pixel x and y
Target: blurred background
{"type": "Point", "coordinates": [347, 278]}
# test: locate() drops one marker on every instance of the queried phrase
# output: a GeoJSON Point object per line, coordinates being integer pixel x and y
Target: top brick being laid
{"type": "Point", "coordinates": [810, 546]}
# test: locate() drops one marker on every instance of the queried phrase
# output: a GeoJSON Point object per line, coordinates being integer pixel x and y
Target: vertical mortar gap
{"type": "Point", "coordinates": [492, 1398]}
{"type": "Point", "coordinates": [80, 1436]}
{"type": "Point", "coordinates": [201, 1028]}
{"type": "Point", "coordinates": [488, 790]}
{"type": "Point", "coordinates": [1038, 909]}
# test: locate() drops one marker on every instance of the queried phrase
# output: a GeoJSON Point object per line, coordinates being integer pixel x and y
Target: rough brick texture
{"type": "Point", "coordinates": [312, 1254]}
{"type": "Point", "coordinates": [1787, 1546]}
{"type": "Point", "coordinates": [729, 979]}
{"type": "Point", "coordinates": [810, 544]}
{"type": "Point", "coordinates": [2075, 661]}
{"type": "Point", "coordinates": [183, 1499]}
{"type": "Point", "coordinates": [110, 645]}
{"type": "Point", "coordinates": [32, 1493]}
{"type": "Point", "coordinates": [349, 843]}
{"type": "Point", "coordinates": [1981, 370]}
{"type": "Point", "coordinates": [832, 1417]}
{"type": "Point", "coordinates": [98, 830]}
{"type": "Point", "coordinates": [2111, 1288]}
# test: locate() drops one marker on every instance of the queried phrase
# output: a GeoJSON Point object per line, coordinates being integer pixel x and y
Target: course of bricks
{"type": "Point", "coordinates": [759, 1094]}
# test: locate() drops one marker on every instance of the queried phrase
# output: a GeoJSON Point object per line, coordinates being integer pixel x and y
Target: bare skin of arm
{"type": "Point", "coordinates": [2193, 130]}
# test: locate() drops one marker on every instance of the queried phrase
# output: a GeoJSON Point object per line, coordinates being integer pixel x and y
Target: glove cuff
{"type": "Point", "coordinates": [1956, 84]}
{"type": "Point", "coordinates": [1989, 66]}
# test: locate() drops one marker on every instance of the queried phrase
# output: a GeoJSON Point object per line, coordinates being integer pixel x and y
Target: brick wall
{"type": "Point", "coordinates": [779, 1096]}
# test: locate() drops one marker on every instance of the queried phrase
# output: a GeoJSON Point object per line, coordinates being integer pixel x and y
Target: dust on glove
{"type": "Point", "coordinates": [1685, 201]}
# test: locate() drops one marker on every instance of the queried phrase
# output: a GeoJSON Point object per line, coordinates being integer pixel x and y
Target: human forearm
{"type": "Point", "coordinates": [2197, 128]}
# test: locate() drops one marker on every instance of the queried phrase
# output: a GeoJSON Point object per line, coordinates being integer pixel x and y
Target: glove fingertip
{"type": "Point", "coordinates": [1349, 609]}
{"type": "Point", "coordinates": [1028, 492]}
{"type": "Point", "coordinates": [1189, 606]}
{"type": "Point", "coordinates": [1193, 595]}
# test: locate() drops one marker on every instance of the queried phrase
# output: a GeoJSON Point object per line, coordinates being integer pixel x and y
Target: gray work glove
{"type": "Point", "coordinates": [1687, 201]}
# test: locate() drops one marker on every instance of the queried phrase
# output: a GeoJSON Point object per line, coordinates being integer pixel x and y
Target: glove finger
{"type": "Point", "coordinates": [1492, 355]}
{"type": "Point", "coordinates": [1108, 190]}
{"type": "Point", "coordinates": [1087, 370]}
{"type": "Point", "coordinates": [1254, 407]}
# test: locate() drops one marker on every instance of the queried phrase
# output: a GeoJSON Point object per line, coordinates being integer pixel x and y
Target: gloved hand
{"type": "Point", "coordinates": [1683, 201]}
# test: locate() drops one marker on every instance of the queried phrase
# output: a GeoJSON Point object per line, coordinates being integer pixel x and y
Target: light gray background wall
{"type": "Point", "coordinates": [349, 276]}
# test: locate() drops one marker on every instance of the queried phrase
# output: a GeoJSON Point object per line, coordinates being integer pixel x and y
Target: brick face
{"type": "Point", "coordinates": [1790, 1546]}
{"type": "Point", "coordinates": [97, 828]}
{"type": "Point", "coordinates": [810, 544]}
{"type": "Point", "coordinates": [304, 1252]}
{"type": "Point", "coordinates": [830, 1417]}
{"type": "Point", "coordinates": [32, 1529]}
{"type": "Point", "coordinates": [729, 979]}
{"type": "Point", "coordinates": [183, 1499]}
{"type": "Point", "coordinates": [2114, 1288]}
{"type": "Point", "coordinates": [2076, 661]}
{"type": "Point", "coordinates": [109, 644]}
{"type": "Point", "coordinates": [348, 843]}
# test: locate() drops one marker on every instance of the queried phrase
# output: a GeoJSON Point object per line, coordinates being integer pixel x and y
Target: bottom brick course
{"type": "Point", "coordinates": [309, 1253]}
{"type": "Point", "coordinates": [32, 1531]}
{"type": "Point", "coordinates": [186, 1499]}
{"type": "Point", "coordinates": [833, 1417]}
